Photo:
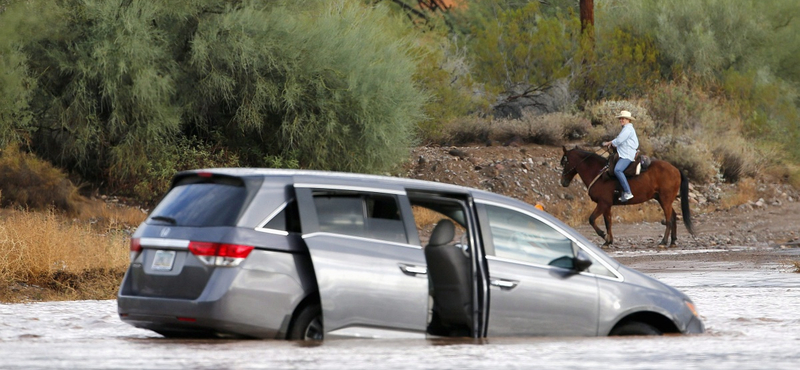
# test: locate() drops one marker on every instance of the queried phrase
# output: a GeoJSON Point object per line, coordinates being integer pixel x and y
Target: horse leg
{"type": "Point", "coordinates": [669, 217]}
{"type": "Point", "coordinates": [592, 218]}
{"type": "Point", "coordinates": [674, 229]}
{"type": "Point", "coordinates": [607, 219]}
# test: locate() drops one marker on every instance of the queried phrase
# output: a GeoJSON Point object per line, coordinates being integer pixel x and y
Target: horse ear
{"type": "Point", "coordinates": [564, 147]}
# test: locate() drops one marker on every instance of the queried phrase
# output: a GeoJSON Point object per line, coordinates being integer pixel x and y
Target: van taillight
{"type": "Point", "coordinates": [136, 247]}
{"type": "Point", "coordinates": [220, 254]}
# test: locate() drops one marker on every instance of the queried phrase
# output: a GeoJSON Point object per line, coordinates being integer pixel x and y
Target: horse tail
{"type": "Point", "coordinates": [687, 216]}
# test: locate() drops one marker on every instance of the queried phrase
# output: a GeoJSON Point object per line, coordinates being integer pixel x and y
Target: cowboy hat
{"type": "Point", "coordinates": [625, 114]}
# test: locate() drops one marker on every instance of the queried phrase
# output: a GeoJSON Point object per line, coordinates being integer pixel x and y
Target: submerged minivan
{"type": "Point", "coordinates": [294, 254]}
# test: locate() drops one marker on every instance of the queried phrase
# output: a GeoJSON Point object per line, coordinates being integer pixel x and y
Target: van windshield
{"type": "Point", "coordinates": [201, 204]}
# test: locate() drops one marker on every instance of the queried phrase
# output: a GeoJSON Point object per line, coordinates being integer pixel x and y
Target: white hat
{"type": "Point", "coordinates": [625, 114]}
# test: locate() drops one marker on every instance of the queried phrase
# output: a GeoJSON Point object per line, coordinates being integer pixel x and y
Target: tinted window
{"type": "Point", "coordinates": [598, 269]}
{"type": "Point", "coordinates": [287, 219]}
{"type": "Point", "coordinates": [369, 216]}
{"type": "Point", "coordinates": [523, 238]}
{"type": "Point", "coordinates": [201, 204]}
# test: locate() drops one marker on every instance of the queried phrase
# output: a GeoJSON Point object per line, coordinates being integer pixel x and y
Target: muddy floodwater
{"type": "Point", "coordinates": [752, 319]}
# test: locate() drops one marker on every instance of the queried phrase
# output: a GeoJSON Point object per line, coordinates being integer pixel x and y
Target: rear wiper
{"type": "Point", "coordinates": [165, 219]}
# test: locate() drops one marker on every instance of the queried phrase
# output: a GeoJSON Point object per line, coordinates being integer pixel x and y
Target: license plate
{"type": "Point", "coordinates": [163, 260]}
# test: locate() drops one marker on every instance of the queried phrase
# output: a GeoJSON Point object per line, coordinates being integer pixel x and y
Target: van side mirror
{"type": "Point", "coordinates": [581, 262]}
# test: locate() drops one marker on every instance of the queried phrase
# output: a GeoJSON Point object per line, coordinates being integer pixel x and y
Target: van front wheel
{"type": "Point", "coordinates": [634, 328]}
{"type": "Point", "coordinates": [308, 324]}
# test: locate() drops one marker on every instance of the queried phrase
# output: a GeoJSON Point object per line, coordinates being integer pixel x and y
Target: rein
{"type": "Point", "coordinates": [597, 177]}
{"type": "Point", "coordinates": [575, 168]}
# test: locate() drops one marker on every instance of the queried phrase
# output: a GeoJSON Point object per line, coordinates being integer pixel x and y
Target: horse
{"type": "Point", "coordinates": [661, 181]}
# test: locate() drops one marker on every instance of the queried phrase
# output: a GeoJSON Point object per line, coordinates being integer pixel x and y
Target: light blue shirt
{"type": "Point", "coordinates": [627, 142]}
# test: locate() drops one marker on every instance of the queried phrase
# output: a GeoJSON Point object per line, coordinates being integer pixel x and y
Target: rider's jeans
{"type": "Point", "coordinates": [622, 164]}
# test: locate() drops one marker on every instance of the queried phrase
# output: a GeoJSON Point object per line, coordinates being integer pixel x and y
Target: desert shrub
{"type": "Point", "coordinates": [783, 171]}
{"type": "Point", "coordinates": [736, 158]}
{"type": "Point", "coordinates": [327, 84]}
{"type": "Point", "coordinates": [30, 182]}
{"type": "Point", "coordinates": [521, 44]}
{"type": "Point", "coordinates": [331, 83]}
{"type": "Point", "coordinates": [189, 154]}
{"type": "Point", "coordinates": [619, 64]}
{"type": "Point", "coordinates": [794, 176]}
{"type": "Point", "coordinates": [573, 126]}
{"type": "Point", "coordinates": [676, 107]}
{"type": "Point", "coordinates": [547, 129]}
{"type": "Point", "coordinates": [463, 130]}
{"type": "Point", "coordinates": [767, 106]}
{"type": "Point", "coordinates": [690, 156]}
{"type": "Point", "coordinates": [446, 78]}
{"type": "Point", "coordinates": [705, 36]}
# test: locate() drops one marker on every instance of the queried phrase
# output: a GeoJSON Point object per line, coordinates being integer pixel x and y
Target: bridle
{"type": "Point", "coordinates": [575, 168]}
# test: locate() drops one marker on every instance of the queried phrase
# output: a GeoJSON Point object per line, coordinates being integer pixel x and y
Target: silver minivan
{"type": "Point", "coordinates": [292, 254]}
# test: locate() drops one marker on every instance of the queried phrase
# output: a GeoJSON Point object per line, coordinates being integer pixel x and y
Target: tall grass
{"type": "Point", "coordinates": [66, 260]}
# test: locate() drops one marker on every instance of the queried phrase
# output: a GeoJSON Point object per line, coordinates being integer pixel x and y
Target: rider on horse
{"type": "Point", "coordinates": [627, 143]}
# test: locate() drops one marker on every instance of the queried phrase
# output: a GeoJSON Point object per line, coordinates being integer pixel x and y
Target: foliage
{"type": "Point", "coordinates": [444, 74]}
{"type": "Point", "coordinates": [332, 85]}
{"type": "Point", "coordinates": [618, 64]}
{"type": "Point", "coordinates": [768, 107]}
{"type": "Point", "coordinates": [704, 37]}
{"type": "Point", "coordinates": [523, 46]}
{"type": "Point", "coordinates": [114, 87]}
{"type": "Point", "coordinates": [189, 153]}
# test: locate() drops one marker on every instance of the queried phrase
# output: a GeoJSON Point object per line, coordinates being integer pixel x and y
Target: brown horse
{"type": "Point", "coordinates": [661, 182]}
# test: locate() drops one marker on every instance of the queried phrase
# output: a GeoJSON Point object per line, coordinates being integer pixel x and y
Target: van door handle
{"type": "Point", "coordinates": [413, 270]}
{"type": "Point", "coordinates": [503, 284]}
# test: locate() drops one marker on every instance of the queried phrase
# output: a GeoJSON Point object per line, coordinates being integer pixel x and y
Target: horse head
{"type": "Point", "coordinates": [568, 171]}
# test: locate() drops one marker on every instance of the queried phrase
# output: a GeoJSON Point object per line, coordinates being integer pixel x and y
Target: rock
{"type": "Point", "coordinates": [458, 153]}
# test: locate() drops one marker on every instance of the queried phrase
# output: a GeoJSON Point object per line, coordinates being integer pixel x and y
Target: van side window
{"type": "Point", "coordinates": [288, 219]}
{"type": "Point", "coordinates": [372, 216]}
{"type": "Point", "coordinates": [520, 237]}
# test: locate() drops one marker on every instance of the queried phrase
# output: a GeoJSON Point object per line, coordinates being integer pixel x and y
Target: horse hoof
{"type": "Point", "coordinates": [662, 246]}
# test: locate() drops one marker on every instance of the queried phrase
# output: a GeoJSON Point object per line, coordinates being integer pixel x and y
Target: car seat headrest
{"type": "Point", "coordinates": [443, 233]}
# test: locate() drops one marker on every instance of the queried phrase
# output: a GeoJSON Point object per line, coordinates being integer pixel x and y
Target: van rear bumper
{"type": "Point", "coordinates": [250, 307]}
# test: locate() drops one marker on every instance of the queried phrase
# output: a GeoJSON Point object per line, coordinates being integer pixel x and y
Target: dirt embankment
{"type": "Point", "coordinates": [764, 224]}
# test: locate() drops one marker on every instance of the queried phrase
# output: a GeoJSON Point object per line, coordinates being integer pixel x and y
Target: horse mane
{"type": "Point", "coordinates": [588, 153]}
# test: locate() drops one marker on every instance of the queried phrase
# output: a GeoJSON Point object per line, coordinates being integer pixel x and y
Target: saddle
{"type": "Point", "coordinates": [639, 165]}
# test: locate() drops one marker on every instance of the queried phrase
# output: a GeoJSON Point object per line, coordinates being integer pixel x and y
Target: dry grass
{"type": "Point", "coordinates": [548, 129]}
{"type": "Point", "coordinates": [426, 219]}
{"type": "Point", "coordinates": [745, 192]}
{"type": "Point", "coordinates": [576, 212]}
{"type": "Point", "coordinates": [63, 259]}
{"type": "Point", "coordinates": [109, 216]}
{"type": "Point", "coordinates": [795, 265]}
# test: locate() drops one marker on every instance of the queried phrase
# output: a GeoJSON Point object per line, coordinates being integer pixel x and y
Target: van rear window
{"type": "Point", "coordinates": [201, 204]}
